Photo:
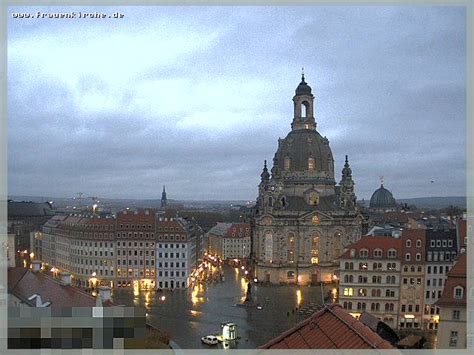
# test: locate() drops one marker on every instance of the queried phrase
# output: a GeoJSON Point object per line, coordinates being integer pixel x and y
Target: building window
{"type": "Point", "coordinates": [363, 253]}
{"type": "Point", "coordinates": [377, 253]}
{"type": "Point", "coordinates": [408, 243]}
{"type": "Point", "coordinates": [458, 292]}
{"type": "Point", "coordinates": [287, 163]}
{"type": "Point", "coordinates": [456, 314]}
{"type": "Point", "coordinates": [453, 340]}
{"type": "Point", "coordinates": [418, 256]}
{"type": "Point", "coordinates": [392, 253]}
{"type": "Point", "coordinates": [407, 256]}
{"type": "Point", "coordinates": [418, 243]}
{"type": "Point", "coordinates": [311, 163]}
{"type": "Point", "coordinates": [348, 291]}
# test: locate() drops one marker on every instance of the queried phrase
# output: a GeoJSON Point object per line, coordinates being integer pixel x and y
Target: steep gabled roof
{"type": "Point", "coordinates": [456, 277]}
{"type": "Point", "coordinates": [23, 284]}
{"type": "Point", "coordinates": [370, 243]}
{"type": "Point", "coordinates": [330, 328]}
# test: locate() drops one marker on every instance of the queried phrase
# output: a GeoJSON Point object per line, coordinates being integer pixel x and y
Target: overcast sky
{"type": "Point", "coordinates": [197, 97]}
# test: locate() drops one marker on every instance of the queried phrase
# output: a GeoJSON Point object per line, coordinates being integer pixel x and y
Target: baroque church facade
{"type": "Point", "coordinates": [303, 220]}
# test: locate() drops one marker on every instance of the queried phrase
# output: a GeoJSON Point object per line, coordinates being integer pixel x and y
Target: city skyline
{"type": "Point", "coordinates": [207, 102]}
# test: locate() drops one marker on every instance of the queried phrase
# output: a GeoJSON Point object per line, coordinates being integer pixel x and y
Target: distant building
{"type": "Point", "coordinates": [382, 200]}
{"type": "Point", "coordinates": [24, 218]}
{"type": "Point", "coordinates": [441, 252]}
{"type": "Point", "coordinates": [119, 252]}
{"type": "Point", "coordinates": [302, 221]}
{"type": "Point", "coordinates": [453, 315]}
{"type": "Point", "coordinates": [461, 234]}
{"type": "Point", "coordinates": [229, 240]}
{"type": "Point", "coordinates": [330, 328]}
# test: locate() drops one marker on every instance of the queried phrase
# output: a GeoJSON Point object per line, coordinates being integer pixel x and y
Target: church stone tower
{"type": "Point", "coordinates": [163, 198]}
{"type": "Point", "coordinates": [302, 221]}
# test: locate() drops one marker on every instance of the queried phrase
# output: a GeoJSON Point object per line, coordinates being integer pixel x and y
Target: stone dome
{"type": "Point", "coordinates": [301, 145]}
{"type": "Point", "coordinates": [382, 198]}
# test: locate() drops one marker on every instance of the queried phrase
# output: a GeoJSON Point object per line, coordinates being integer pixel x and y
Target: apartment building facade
{"type": "Point", "coordinates": [412, 279]}
{"type": "Point", "coordinates": [370, 271]}
{"type": "Point", "coordinates": [441, 252]}
{"type": "Point", "coordinates": [230, 240]}
{"type": "Point", "coordinates": [121, 251]}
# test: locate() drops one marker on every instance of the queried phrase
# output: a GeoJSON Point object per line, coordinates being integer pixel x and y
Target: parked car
{"type": "Point", "coordinates": [210, 340]}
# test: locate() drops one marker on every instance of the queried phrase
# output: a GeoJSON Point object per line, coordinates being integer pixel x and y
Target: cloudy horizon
{"type": "Point", "coordinates": [195, 98]}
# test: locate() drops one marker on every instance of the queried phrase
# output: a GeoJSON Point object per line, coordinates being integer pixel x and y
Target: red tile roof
{"type": "Point", "coordinates": [456, 277]}
{"type": "Point", "coordinates": [370, 243]}
{"type": "Point", "coordinates": [138, 217]}
{"type": "Point", "coordinates": [170, 224]}
{"type": "Point", "coordinates": [330, 328]}
{"type": "Point", "coordinates": [399, 217]}
{"type": "Point", "coordinates": [239, 230]}
{"type": "Point", "coordinates": [24, 283]}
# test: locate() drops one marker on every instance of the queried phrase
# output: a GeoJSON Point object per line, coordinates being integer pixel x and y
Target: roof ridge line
{"type": "Point", "coordinates": [18, 281]}
{"type": "Point", "coordinates": [352, 328]}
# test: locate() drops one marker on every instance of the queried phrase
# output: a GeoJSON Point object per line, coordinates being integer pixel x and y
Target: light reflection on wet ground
{"type": "Point", "coordinates": [187, 315]}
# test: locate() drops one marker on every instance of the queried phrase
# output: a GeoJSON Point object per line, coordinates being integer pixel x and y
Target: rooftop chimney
{"type": "Point", "coordinates": [35, 265]}
{"type": "Point", "coordinates": [66, 278]}
{"type": "Point", "coordinates": [105, 293]}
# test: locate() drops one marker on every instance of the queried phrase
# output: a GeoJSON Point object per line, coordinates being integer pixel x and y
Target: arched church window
{"type": "Point", "coordinates": [268, 246]}
{"type": "Point", "coordinates": [315, 250]}
{"type": "Point", "coordinates": [291, 247]}
{"type": "Point", "coordinates": [270, 202]}
{"type": "Point", "coordinates": [311, 163]}
{"type": "Point", "coordinates": [287, 163]}
{"type": "Point", "coordinates": [304, 109]}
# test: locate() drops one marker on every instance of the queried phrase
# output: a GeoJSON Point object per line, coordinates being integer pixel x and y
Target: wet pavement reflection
{"type": "Point", "coordinates": [187, 315]}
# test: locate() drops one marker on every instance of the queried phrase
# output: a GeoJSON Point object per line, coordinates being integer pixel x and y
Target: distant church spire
{"type": "Point", "coordinates": [163, 198]}
{"type": "Point", "coordinates": [348, 197]}
{"type": "Point", "coordinates": [265, 174]}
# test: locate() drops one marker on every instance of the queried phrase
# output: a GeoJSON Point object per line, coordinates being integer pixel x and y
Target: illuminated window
{"type": "Point", "coordinates": [287, 163]}
{"type": "Point", "coordinates": [315, 250]}
{"type": "Point", "coordinates": [311, 164]}
{"type": "Point", "coordinates": [349, 291]}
